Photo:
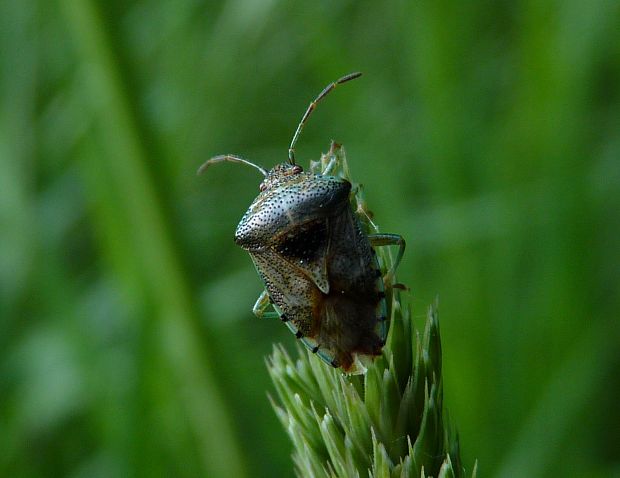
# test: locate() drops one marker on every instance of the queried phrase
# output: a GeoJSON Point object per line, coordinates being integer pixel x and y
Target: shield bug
{"type": "Point", "coordinates": [320, 270]}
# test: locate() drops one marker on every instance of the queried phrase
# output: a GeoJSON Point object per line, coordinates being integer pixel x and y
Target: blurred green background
{"type": "Point", "coordinates": [487, 133]}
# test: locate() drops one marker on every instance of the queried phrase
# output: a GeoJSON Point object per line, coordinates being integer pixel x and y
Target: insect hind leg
{"type": "Point", "coordinates": [380, 240]}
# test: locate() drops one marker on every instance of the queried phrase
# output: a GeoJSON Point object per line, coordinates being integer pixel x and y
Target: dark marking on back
{"type": "Point", "coordinates": [305, 243]}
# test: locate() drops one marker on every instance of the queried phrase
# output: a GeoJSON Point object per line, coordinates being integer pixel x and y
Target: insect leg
{"type": "Point", "coordinates": [332, 156]}
{"type": "Point", "coordinates": [378, 240]}
{"type": "Point", "coordinates": [261, 306]}
{"type": "Point", "coordinates": [361, 208]}
{"type": "Point", "coordinates": [328, 169]}
{"type": "Point", "coordinates": [304, 119]}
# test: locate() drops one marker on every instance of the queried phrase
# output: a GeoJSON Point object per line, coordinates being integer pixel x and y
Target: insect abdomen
{"type": "Point", "coordinates": [344, 321]}
{"type": "Point", "coordinates": [356, 303]}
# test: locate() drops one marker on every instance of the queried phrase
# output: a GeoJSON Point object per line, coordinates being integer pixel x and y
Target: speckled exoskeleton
{"type": "Point", "coordinates": [318, 265]}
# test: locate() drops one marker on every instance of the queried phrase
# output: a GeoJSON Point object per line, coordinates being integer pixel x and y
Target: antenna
{"type": "Point", "coordinates": [233, 159]}
{"type": "Point", "coordinates": [304, 119]}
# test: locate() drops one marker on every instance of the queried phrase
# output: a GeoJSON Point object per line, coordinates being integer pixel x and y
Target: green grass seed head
{"type": "Point", "coordinates": [387, 422]}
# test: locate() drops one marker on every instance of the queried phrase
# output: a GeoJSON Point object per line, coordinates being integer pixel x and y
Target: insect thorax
{"type": "Point", "coordinates": [290, 198]}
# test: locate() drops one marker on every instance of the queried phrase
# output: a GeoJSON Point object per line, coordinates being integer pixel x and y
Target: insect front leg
{"type": "Point", "coordinates": [379, 240]}
{"type": "Point", "coordinates": [333, 157]}
{"type": "Point", "coordinates": [261, 306]}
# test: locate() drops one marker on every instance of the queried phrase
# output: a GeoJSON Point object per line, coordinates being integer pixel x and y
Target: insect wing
{"type": "Point", "coordinates": [355, 310]}
{"type": "Point", "coordinates": [305, 248]}
{"type": "Point", "coordinates": [294, 294]}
